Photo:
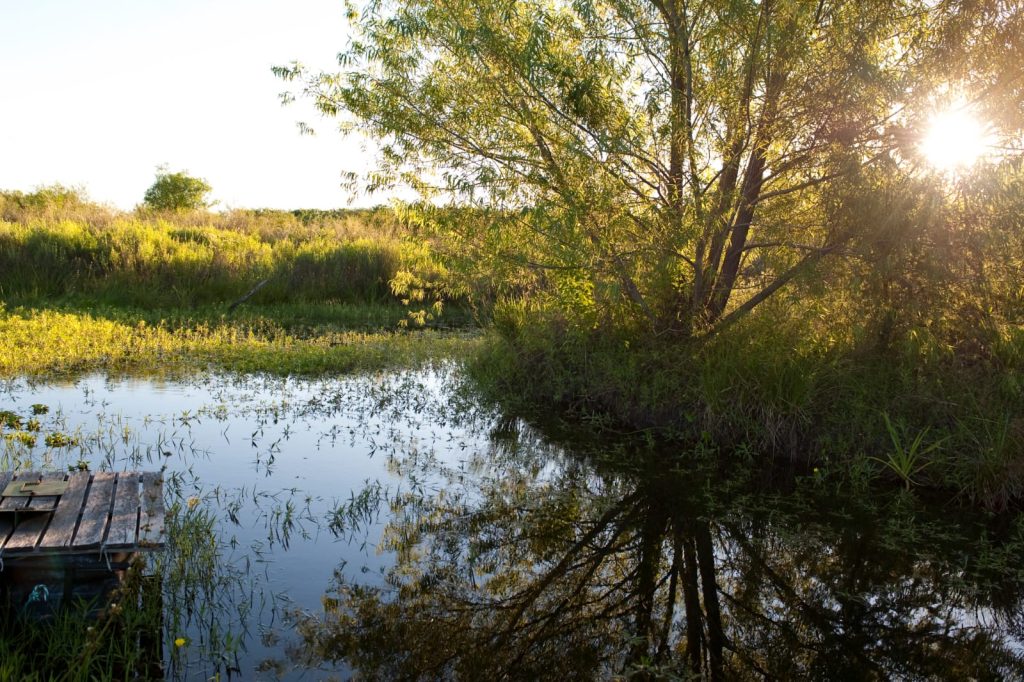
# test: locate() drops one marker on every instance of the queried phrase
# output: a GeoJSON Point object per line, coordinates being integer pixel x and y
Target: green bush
{"type": "Point", "coordinates": [177, 192]}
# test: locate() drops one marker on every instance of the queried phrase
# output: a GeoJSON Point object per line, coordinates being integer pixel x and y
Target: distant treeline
{"type": "Point", "coordinates": [56, 202]}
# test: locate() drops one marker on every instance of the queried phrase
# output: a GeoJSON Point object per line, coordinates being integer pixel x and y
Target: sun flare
{"type": "Point", "coordinates": [955, 139]}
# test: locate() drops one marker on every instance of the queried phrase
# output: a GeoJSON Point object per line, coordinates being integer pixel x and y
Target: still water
{"type": "Point", "coordinates": [393, 527]}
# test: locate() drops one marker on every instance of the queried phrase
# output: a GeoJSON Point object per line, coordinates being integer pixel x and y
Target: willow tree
{"type": "Point", "coordinates": [676, 161]}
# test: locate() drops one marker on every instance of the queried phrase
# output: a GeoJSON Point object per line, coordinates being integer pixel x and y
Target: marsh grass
{"type": "Point", "coordinates": [55, 245]}
{"type": "Point", "coordinates": [84, 288]}
{"type": "Point", "coordinates": [41, 342]}
{"type": "Point", "coordinates": [908, 456]}
{"type": "Point", "coordinates": [58, 203]}
{"type": "Point", "coordinates": [117, 638]}
{"type": "Point", "coordinates": [793, 390]}
{"type": "Point", "coordinates": [159, 264]}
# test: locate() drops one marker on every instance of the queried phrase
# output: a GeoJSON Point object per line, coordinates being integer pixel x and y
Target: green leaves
{"type": "Point", "coordinates": [669, 145]}
{"type": "Point", "coordinates": [177, 192]}
{"type": "Point", "coordinates": [907, 457]}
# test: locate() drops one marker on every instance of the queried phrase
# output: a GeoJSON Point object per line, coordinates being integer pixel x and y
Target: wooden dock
{"type": "Point", "coordinates": [101, 511]}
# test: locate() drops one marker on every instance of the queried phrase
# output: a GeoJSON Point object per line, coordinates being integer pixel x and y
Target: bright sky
{"type": "Point", "coordinates": [98, 94]}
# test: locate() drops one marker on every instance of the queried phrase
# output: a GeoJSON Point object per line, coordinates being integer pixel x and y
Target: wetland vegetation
{"type": "Point", "coordinates": [87, 288]}
{"type": "Point", "coordinates": [700, 356]}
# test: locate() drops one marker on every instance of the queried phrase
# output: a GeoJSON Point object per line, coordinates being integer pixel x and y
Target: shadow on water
{"type": "Point", "coordinates": [546, 566]}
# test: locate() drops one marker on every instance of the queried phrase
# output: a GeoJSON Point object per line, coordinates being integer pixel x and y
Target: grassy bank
{"type": "Point", "coordinates": [41, 342]}
{"type": "Point", "coordinates": [921, 413]}
{"type": "Point", "coordinates": [159, 263]}
{"type": "Point", "coordinates": [84, 288]}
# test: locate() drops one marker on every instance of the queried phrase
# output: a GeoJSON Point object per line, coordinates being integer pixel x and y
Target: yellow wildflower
{"type": "Point", "coordinates": [193, 502]}
{"type": "Point", "coordinates": [180, 642]}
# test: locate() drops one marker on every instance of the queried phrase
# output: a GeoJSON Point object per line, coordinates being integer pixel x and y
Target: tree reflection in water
{"type": "Point", "coordinates": [535, 565]}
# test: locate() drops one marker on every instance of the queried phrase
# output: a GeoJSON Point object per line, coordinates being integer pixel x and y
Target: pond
{"type": "Point", "coordinates": [393, 526]}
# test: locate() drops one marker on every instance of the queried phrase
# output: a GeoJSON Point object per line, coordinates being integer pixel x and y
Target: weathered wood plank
{"type": "Point", "coordinates": [30, 528]}
{"type": "Point", "coordinates": [47, 501]}
{"type": "Point", "coordinates": [20, 502]}
{"type": "Point", "coordinates": [15, 503]}
{"type": "Point", "coordinates": [124, 520]}
{"type": "Point", "coordinates": [65, 519]}
{"type": "Point", "coordinates": [105, 509]}
{"type": "Point", "coordinates": [96, 511]}
{"type": "Point", "coordinates": [6, 524]}
{"type": "Point", "coordinates": [151, 523]}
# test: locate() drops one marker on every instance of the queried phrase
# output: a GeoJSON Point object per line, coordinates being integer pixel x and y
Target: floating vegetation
{"type": "Point", "coordinates": [59, 440]}
{"type": "Point", "coordinates": [9, 420]}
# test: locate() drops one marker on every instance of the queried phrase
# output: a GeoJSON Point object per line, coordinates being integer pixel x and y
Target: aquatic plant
{"type": "Point", "coordinates": [906, 460]}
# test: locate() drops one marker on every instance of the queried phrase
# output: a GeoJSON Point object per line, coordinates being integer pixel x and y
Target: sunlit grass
{"type": "Point", "coordinates": [130, 262]}
{"type": "Point", "coordinates": [39, 342]}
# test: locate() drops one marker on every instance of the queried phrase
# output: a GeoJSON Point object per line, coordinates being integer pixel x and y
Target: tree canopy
{"type": "Point", "coordinates": [670, 162]}
{"type": "Point", "coordinates": [177, 192]}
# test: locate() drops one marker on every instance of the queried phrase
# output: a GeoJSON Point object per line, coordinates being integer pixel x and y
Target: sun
{"type": "Point", "coordinates": [955, 139]}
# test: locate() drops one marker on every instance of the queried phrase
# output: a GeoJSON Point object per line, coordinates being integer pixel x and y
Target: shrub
{"type": "Point", "coordinates": [177, 192]}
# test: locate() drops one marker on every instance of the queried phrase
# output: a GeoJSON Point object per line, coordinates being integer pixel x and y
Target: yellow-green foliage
{"type": "Point", "coordinates": [44, 342]}
{"type": "Point", "coordinates": [159, 263]}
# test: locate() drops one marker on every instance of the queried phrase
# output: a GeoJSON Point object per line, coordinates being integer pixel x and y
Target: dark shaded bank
{"type": "Point", "coordinates": [917, 411]}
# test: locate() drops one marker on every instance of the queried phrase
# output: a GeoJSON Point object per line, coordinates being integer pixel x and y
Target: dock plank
{"type": "Point", "coordinates": [96, 512]}
{"type": "Point", "coordinates": [14, 503]}
{"type": "Point", "coordinates": [20, 502]}
{"type": "Point", "coordinates": [124, 520]}
{"type": "Point", "coordinates": [151, 523]}
{"type": "Point", "coordinates": [65, 519]}
{"type": "Point", "coordinates": [30, 529]}
{"type": "Point", "coordinates": [122, 511]}
{"type": "Point", "coordinates": [6, 524]}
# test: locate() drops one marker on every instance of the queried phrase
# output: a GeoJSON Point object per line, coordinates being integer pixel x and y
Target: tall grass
{"type": "Point", "coordinates": [55, 244]}
{"type": "Point", "coordinates": [789, 386]}
{"type": "Point", "coordinates": [58, 203]}
{"type": "Point", "coordinates": [162, 264]}
{"type": "Point", "coordinates": [84, 287]}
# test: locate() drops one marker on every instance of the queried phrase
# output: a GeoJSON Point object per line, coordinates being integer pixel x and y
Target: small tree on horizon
{"type": "Point", "coordinates": [177, 192]}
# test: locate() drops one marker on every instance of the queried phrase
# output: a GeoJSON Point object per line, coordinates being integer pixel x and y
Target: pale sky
{"type": "Point", "coordinates": [98, 93]}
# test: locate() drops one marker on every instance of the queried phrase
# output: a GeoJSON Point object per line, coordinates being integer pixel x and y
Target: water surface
{"type": "Point", "coordinates": [390, 525]}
